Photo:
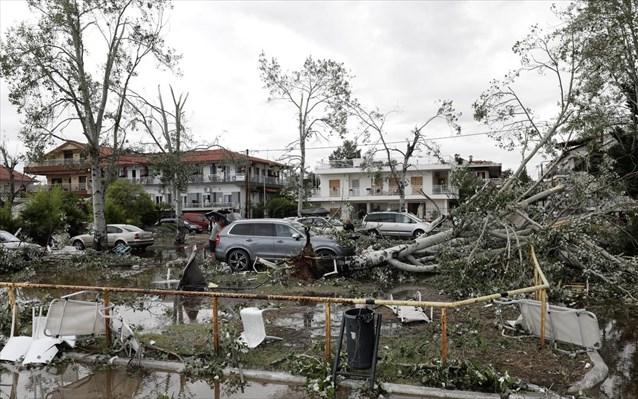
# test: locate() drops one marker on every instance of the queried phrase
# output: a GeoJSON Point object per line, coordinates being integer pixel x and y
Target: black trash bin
{"type": "Point", "coordinates": [360, 342]}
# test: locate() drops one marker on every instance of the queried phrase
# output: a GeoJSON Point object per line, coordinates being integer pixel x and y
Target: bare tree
{"type": "Point", "coordinates": [374, 121]}
{"type": "Point", "coordinates": [10, 162]}
{"type": "Point", "coordinates": [319, 93]}
{"type": "Point", "coordinates": [168, 132]}
{"type": "Point", "coordinates": [56, 82]}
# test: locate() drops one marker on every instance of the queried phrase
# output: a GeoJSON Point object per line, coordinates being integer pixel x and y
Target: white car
{"type": "Point", "coordinates": [320, 224]}
{"type": "Point", "coordinates": [127, 234]}
{"type": "Point", "coordinates": [400, 224]}
{"type": "Point", "coordinates": [9, 241]}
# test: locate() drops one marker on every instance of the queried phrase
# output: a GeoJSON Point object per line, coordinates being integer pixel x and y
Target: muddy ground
{"type": "Point", "coordinates": [472, 331]}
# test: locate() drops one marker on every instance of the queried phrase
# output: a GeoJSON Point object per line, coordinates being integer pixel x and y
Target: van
{"type": "Point", "coordinates": [400, 224]}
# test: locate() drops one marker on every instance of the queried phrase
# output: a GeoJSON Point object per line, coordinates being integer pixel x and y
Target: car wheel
{"type": "Point", "coordinates": [374, 234]}
{"type": "Point", "coordinates": [79, 245]}
{"type": "Point", "coordinates": [239, 260]}
{"type": "Point", "coordinates": [119, 242]}
{"type": "Point", "coordinates": [418, 233]}
{"type": "Point", "coordinates": [326, 254]}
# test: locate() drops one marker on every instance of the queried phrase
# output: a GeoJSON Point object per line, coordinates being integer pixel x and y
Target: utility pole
{"type": "Point", "coordinates": [247, 186]}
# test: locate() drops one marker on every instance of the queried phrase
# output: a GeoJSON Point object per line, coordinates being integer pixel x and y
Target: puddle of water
{"type": "Point", "coordinates": [80, 382]}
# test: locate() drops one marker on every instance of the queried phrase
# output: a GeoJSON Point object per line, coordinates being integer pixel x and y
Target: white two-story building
{"type": "Point", "coordinates": [351, 190]}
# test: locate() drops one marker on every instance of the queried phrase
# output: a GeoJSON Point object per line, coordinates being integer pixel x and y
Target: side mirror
{"type": "Point", "coordinates": [296, 236]}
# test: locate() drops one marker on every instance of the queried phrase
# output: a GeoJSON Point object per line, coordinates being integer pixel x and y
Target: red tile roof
{"type": "Point", "coordinates": [19, 177]}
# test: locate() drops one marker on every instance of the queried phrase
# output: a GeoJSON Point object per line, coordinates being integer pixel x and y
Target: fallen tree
{"type": "Point", "coordinates": [573, 219]}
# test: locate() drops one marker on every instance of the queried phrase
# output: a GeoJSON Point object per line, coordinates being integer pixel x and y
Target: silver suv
{"type": "Point", "coordinates": [244, 240]}
{"type": "Point", "coordinates": [394, 224]}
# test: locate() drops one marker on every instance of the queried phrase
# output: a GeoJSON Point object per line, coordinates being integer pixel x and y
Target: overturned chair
{"type": "Point", "coordinates": [562, 324]}
{"type": "Point", "coordinates": [254, 332]}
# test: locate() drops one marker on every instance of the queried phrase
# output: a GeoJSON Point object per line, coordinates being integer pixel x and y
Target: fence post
{"type": "Point", "coordinates": [215, 317]}
{"type": "Point", "coordinates": [443, 336]}
{"type": "Point", "coordinates": [543, 298]}
{"type": "Point", "coordinates": [11, 293]}
{"type": "Point", "coordinates": [107, 319]}
{"type": "Point", "coordinates": [328, 334]}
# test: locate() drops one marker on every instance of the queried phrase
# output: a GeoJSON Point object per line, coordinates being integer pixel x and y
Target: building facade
{"type": "Point", "coordinates": [22, 183]}
{"type": "Point", "coordinates": [219, 178]}
{"type": "Point", "coordinates": [352, 190]}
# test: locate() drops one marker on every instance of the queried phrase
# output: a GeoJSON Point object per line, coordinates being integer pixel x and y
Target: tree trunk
{"type": "Point", "coordinates": [12, 187]}
{"type": "Point", "coordinates": [179, 233]}
{"type": "Point", "coordinates": [97, 192]}
{"type": "Point", "coordinates": [300, 185]}
{"type": "Point", "coordinates": [401, 197]}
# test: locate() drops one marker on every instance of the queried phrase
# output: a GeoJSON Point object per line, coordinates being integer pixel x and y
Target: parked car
{"type": "Point", "coordinates": [190, 227]}
{"type": "Point", "coordinates": [127, 234]}
{"type": "Point", "coordinates": [198, 219]}
{"type": "Point", "coordinates": [321, 225]}
{"type": "Point", "coordinates": [9, 241]}
{"type": "Point", "coordinates": [244, 240]}
{"type": "Point", "coordinates": [400, 224]}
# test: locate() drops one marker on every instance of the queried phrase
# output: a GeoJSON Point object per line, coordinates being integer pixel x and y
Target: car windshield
{"type": "Point", "coordinates": [5, 236]}
{"type": "Point", "coordinates": [335, 222]}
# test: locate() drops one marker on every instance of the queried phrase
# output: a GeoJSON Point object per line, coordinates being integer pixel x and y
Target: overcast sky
{"type": "Point", "coordinates": [404, 55]}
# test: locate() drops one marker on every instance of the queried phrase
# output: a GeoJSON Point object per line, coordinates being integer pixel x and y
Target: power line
{"type": "Point", "coordinates": [330, 147]}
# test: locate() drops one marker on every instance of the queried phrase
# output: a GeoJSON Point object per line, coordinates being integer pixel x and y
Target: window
{"type": "Point", "coordinates": [387, 218]}
{"type": "Point", "coordinates": [242, 230]}
{"type": "Point", "coordinates": [373, 217]}
{"type": "Point", "coordinates": [68, 155]}
{"type": "Point", "coordinates": [263, 229]}
{"type": "Point", "coordinates": [133, 173]}
{"type": "Point", "coordinates": [113, 229]}
{"type": "Point", "coordinates": [404, 219]}
{"type": "Point", "coordinates": [281, 230]}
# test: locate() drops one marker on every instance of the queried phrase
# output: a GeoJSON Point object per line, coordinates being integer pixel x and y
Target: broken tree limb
{"type": "Point", "coordinates": [540, 196]}
{"type": "Point", "coordinates": [412, 268]}
{"type": "Point", "coordinates": [379, 257]}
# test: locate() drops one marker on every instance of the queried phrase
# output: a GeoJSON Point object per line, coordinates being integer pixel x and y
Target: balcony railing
{"type": "Point", "coordinates": [82, 162]}
{"type": "Point", "coordinates": [70, 187]}
{"type": "Point", "coordinates": [210, 204]}
{"type": "Point", "coordinates": [355, 192]}
{"type": "Point", "coordinates": [444, 189]}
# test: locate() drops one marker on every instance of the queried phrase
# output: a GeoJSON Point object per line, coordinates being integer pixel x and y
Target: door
{"type": "Point", "coordinates": [112, 234]}
{"type": "Point", "coordinates": [285, 244]}
{"type": "Point", "coordinates": [335, 188]}
{"type": "Point", "coordinates": [417, 184]}
{"type": "Point", "coordinates": [261, 240]}
{"type": "Point", "coordinates": [404, 225]}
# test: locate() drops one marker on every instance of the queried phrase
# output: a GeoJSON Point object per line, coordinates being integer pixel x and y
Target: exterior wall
{"type": "Point", "coordinates": [352, 192]}
{"type": "Point", "coordinates": [215, 184]}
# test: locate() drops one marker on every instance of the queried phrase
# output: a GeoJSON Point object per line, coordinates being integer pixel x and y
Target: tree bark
{"type": "Point", "coordinates": [179, 233]}
{"type": "Point", "coordinates": [97, 192]}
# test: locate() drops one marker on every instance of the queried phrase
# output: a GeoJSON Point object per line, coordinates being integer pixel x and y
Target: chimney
{"type": "Point", "coordinates": [471, 158]}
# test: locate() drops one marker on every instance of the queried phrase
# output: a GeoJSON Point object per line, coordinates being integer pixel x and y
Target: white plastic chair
{"type": "Point", "coordinates": [409, 314]}
{"type": "Point", "coordinates": [254, 328]}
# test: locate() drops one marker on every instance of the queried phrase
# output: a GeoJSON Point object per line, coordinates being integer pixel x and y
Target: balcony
{"type": "Point", "coordinates": [209, 205]}
{"type": "Point", "coordinates": [444, 189]}
{"type": "Point", "coordinates": [68, 187]}
{"type": "Point", "coordinates": [54, 165]}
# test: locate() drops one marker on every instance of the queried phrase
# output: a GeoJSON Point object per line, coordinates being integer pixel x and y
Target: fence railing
{"type": "Point", "coordinates": [539, 288]}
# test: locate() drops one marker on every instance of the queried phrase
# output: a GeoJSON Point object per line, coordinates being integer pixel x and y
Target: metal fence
{"type": "Point", "coordinates": [539, 287]}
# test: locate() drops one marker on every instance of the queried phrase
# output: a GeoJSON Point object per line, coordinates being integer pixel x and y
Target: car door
{"type": "Point", "coordinates": [262, 240]}
{"type": "Point", "coordinates": [387, 224]}
{"type": "Point", "coordinates": [285, 244]}
{"type": "Point", "coordinates": [404, 225]}
{"type": "Point", "coordinates": [112, 234]}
